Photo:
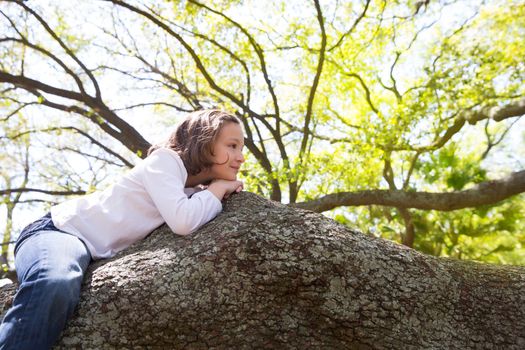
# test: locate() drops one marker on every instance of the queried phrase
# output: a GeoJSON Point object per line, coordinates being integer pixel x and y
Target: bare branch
{"type": "Point", "coordinates": [258, 50]}
{"type": "Point", "coordinates": [188, 48]}
{"type": "Point", "coordinates": [223, 48]}
{"type": "Point", "coordinates": [47, 53]}
{"type": "Point", "coordinates": [39, 190]}
{"type": "Point", "coordinates": [22, 106]}
{"type": "Point", "coordinates": [472, 116]}
{"type": "Point", "coordinates": [411, 170]}
{"type": "Point", "coordinates": [81, 132]}
{"type": "Point", "coordinates": [64, 47]}
{"type": "Point", "coordinates": [138, 105]}
{"type": "Point", "coordinates": [354, 25]}
{"type": "Point", "coordinates": [315, 83]}
{"type": "Point", "coordinates": [490, 142]}
{"type": "Point", "coordinates": [363, 85]}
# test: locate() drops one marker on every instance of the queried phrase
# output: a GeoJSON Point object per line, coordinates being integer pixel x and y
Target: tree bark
{"type": "Point", "coordinates": [266, 275]}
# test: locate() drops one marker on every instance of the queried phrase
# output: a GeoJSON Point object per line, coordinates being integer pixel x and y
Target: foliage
{"type": "Point", "coordinates": [334, 97]}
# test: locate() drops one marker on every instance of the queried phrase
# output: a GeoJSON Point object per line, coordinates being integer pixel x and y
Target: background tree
{"type": "Point", "coordinates": [346, 105]}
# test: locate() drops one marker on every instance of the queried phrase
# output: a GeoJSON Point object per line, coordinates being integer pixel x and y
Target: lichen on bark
{"type": "Point", "coordinates": [265, 275]}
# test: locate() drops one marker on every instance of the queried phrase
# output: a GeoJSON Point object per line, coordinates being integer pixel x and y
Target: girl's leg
{"type": "Point", "coordinates": [50, 267]}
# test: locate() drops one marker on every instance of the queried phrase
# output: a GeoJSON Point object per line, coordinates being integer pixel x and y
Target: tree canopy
{"type": "Point", "coordinates": [402, 118]}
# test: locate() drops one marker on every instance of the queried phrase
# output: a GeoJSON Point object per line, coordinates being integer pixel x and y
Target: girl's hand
{"type": "Point", "coordinates": [223, 188]}
{"type": "Point", "coordinates": [237, 190]}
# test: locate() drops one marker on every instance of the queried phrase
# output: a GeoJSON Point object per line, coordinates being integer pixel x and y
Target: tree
{"type": "Point", "coordinates": [263, 274]}
{"type": "Point", "coordinates": [386, 89]}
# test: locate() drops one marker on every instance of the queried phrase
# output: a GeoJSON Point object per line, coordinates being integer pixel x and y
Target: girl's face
{"type": "Point", "coordinates": [228, 152]}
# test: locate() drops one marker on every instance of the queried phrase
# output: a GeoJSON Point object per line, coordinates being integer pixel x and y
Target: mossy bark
{"type": "Point", "coordinates": [265, 275]}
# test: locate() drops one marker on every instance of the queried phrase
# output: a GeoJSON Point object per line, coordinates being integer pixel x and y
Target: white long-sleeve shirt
{"type": "Point", "coordinates": [150, 194]}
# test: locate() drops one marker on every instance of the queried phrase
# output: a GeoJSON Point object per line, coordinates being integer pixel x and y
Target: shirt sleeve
{"type": "Point", "coordinates": [164, 177]}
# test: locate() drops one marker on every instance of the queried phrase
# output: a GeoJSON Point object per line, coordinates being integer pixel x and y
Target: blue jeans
{"type": "Point", "coordinates": [50, 265]}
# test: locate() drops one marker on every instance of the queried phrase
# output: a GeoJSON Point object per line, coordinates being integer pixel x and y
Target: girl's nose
{"type": "Point", "coordinates": [240, 158]}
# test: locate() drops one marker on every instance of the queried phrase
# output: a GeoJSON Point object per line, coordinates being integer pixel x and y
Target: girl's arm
{"type": "Point", "coordinates": [163, 176]}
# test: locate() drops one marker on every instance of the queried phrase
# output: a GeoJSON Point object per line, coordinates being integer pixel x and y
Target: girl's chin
{"type": "Point", "coordinates": [232, 177]}
{"type": "Point", "coordinates": [228, 178]}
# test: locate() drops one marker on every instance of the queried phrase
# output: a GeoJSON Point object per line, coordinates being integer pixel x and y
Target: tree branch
{"type": "Point", "coordinates": [294, 183]}
{"type": "Point", "coordinates": [498, 113]}
{"type": "Point", "coordinates": [348, 32]}
{"type": "Point", "coordinates": [81, 132]}
{"type": "Point", "coordinates": [485, 193]}
{"type": "Point", "coordinates": [50, 192]}
{"type": "Point", "coordinates": [28, 83]}
{"type": "Point", "coordinates": [258, 51]}
{"type": "Point", "coordinates": [188, 48]}
{"type": "Point", "coordinates": [47, 53]}
{"type": "Point", "coordinates": [315, 84]}
{"type": "Point", "coordinates": [102, 116]}
{"type": "Point", "coordinates": [64, 47]}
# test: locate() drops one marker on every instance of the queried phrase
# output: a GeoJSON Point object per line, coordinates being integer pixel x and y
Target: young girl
{"type": "Point", "coordinates": [53, 253]}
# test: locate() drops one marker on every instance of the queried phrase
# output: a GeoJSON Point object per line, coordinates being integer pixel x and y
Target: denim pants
{"type": "Point", "coordinates": [50, 265]}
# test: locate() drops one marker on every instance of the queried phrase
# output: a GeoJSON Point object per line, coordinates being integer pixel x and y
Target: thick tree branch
{"type": "Point", "coordinates": [102, 116]}
{"type": "Point", "coordinates": [485, 193]}
{"type": "Point", "coordinates": [497, 113]}
{"type": "Point", "coordinates": [31, 84]}
{"type": "Point", "coordinates": [292, 279]}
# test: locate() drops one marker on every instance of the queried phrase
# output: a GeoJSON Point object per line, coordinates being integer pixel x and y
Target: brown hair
{"type": "Point", "coordinates": [194, 137]}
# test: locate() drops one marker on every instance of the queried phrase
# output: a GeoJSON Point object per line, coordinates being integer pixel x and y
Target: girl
{"type": "Point", "coordinates": [53, 253]}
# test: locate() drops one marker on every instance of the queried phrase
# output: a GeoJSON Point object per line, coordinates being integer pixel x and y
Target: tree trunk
{"type": "Point", "coordinates": [265, 275]}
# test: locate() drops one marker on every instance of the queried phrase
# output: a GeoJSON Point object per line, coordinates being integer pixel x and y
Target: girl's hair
{"type": "Point", "coordinates": [194, 137]}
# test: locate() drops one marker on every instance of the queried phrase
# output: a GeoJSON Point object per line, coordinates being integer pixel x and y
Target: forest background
{"type": "Point", "coordinates": [401, 118]}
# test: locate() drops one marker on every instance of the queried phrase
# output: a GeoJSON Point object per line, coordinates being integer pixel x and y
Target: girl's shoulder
{"type": "Point", "coordinates": [164, 153]}
{"type": "Point", "coordinates": [164, 160]}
